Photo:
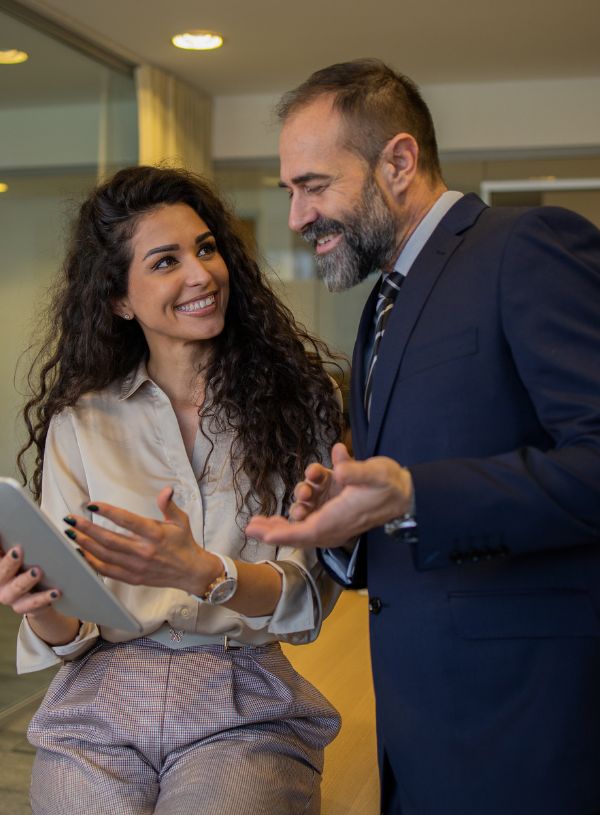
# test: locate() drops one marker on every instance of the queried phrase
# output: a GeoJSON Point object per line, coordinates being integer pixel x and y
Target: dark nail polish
{"type": "Point", "coordinates": [68, 519]}
{"type": "Point", "coordinates": [70, 534]}
{"type": "Point", "coordinates": [14, 554]}
{"type": "Point", "coordinates": [54, 595]}
{"type": "Point", "coordinates": [33, 572]}
{"type": "Point", "coordinates": [93, 507]}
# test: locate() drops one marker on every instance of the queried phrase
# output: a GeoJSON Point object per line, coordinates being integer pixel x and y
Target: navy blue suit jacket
{"type": "Point", "coordinates": [486, 634]}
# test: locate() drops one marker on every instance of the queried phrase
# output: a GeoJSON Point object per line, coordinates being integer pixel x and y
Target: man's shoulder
{"type": "Point", "coordinates": [531, 215]}
{"type": "Point", "coordinates": [495, 225]}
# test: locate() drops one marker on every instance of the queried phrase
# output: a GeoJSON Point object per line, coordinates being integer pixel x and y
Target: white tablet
{"type": "Point", "coordinates": [84, 594]}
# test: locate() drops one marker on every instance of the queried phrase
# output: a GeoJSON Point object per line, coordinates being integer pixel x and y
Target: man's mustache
{"type": "Point", "coordinates": [322, 227]}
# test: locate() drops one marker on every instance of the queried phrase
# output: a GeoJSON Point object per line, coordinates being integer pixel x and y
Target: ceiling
{"type": "Point", "coordinates": [53, 74]}
{"type": "Point", "coordinates": [271, 45]}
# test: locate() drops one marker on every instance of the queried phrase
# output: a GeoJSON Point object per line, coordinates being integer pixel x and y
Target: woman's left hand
{"type": "Point", "coordinates": [150, 552]}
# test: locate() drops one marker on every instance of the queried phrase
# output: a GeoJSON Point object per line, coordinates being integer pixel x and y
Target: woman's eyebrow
{"type": "Point", "coordinates": [172, 247]}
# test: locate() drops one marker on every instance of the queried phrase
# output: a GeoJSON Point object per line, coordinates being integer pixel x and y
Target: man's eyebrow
{"type": "Point", "coordinates": [173, 247]}
{"type": "Point", "coordinates": [303, 179]}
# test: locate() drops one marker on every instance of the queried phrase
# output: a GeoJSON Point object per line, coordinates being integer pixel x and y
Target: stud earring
{"type": "Point", "coordinates": [127, 316]}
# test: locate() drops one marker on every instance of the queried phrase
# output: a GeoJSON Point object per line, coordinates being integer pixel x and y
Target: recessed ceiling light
{"type": "Point", "coordinates": [12, 57]}
{"type": "Point", "coordinates": [3, 187]}
{"type": "Point", "coordinates": [198, 40]}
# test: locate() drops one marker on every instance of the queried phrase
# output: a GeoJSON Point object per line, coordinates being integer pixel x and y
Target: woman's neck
{"type": "Point", "coordinates": [177, 370]}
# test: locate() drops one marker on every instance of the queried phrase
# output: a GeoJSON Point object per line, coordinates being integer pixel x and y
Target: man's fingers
{"type": "Point", "coordinates": [339, 453]}
{"type": "Point", "coordinates": [316, 474]}
{"type": "Point", "coordinates": [299, 511]}
{"type": "Point", "coordinates": [308, 494]}
{"type": "Point", "coordinates": [374, 472]}
{"type": "Point", "coordinates": [260, 525]}
{"type": "Point", "coordinates": [306, 534]}
{"type": "Point", "coordinates": [277, 531]}
{"type": "Point", "coordinates": [303, 492]}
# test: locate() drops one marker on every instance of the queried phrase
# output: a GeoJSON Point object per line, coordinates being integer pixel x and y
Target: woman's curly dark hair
{"type": "Point", "coordinates": [265, 378]}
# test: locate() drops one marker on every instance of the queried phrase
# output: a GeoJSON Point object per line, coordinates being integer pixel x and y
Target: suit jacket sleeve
{"type": "Point", "coordinates": [529, 499]}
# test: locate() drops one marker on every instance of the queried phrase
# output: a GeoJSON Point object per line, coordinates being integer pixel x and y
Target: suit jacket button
{"type": "Point", "coordinates": [375, 605]}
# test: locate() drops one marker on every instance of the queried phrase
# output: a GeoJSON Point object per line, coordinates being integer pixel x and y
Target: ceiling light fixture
{"type": "Point", "coordinates": [13, 56]}
{"type": "Point", "coordinates": [198, 40]}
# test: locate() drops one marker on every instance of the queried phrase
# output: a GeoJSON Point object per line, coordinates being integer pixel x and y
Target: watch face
{"type": "Point", "coordinates": [223, 591]}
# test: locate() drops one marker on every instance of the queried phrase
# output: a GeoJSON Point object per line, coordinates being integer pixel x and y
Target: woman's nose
{"type": "Point", "coordinates": [197, 273]}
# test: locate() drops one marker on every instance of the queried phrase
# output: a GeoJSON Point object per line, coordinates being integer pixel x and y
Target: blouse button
{"type": "Point", "coordinates": [185, 612]}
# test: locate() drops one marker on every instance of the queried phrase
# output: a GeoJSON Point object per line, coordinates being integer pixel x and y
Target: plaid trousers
{"type": "Point", "coordinates": [137, 728]}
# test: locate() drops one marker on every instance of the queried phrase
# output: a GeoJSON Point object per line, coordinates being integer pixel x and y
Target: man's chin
{"type": "Point", "coordinates": [338, 279]}
{"type": "Point", "coordinates": [335, 285]}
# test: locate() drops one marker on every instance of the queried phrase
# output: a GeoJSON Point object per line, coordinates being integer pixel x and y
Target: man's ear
{"type": "Point", "coordinates": [399, 161]}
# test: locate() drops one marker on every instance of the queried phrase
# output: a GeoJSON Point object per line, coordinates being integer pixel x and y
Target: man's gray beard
{"type": "Point", "coordinates": [368, 243]}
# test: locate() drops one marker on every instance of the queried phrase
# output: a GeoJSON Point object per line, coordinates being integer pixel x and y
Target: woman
{"type": "Point", "coordinates": [179, 398]}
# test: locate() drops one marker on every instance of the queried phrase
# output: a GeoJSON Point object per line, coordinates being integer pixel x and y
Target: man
{"type": "Point", "coordinates": [476, 428]}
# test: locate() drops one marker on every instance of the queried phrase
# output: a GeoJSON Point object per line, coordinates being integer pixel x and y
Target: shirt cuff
{"type": "Point", "coordinates": [345, 564]}
{"type": "Point", "coordinates": [33, 654]}
{"type": "Point", "coordinates": [295, 609]}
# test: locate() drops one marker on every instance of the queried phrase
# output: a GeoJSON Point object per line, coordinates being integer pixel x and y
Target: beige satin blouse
{"type": "Point", "coordinates": [122, 445]}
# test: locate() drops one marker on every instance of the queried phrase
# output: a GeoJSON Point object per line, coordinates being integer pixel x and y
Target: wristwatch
{"type": "Point", "coordinates": [403, 528]}
{"type": "Point", "coordinates": [222, 587]}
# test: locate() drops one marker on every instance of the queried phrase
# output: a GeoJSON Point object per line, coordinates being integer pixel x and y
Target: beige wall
{"type": "Point", "coordinates": [499, 116]}
{"type": "Point", "coordinates": [586, 202]}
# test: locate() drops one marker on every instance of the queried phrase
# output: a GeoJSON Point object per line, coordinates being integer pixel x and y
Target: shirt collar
{"type": "Point", "coordinates": [424, 230]}
{"type": "Point", "coordinates": [134, 380]}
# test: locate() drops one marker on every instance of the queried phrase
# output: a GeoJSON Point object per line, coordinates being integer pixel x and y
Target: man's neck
{"type": "Point", "coordinates": [419, 199]}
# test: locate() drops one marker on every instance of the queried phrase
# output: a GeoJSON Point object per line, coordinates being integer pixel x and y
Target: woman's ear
{"type": "Point", "coordinates": [122, 309]}
{"type": "Point", "coordinates": [399, 162]}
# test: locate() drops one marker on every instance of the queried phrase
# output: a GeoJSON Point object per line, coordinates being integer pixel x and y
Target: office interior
{"type": "Point", "coordinates": [78, 118]}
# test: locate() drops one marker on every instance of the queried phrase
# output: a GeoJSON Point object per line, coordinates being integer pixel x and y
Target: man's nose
{"type": "Point", "coordinates": [302, 214]}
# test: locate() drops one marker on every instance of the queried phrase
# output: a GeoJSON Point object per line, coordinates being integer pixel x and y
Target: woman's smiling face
{"type": "Point", "coordinates": [178, 283]}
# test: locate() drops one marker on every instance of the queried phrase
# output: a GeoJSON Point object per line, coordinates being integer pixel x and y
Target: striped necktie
{"type": "Point", "coordinates": [390, 286]}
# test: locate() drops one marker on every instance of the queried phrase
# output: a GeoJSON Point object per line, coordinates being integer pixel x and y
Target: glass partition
{"type": "Point", "coordinates": [65, 120]}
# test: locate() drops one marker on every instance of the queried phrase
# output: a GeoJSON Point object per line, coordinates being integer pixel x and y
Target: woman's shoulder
{"type": "Point", "coordinates": [109, 400]}
{"type": "Point", "coordinates": [99, 398]}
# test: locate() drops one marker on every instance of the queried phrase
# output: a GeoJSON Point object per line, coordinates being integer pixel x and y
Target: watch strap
{"type": "Point", "coordinates": [229, 573]}
{"type": "Point", "coordinates": [403, 528]}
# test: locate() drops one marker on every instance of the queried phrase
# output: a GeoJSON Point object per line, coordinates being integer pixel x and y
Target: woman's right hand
{"type": "Point", "coordinates": [18, 586]}
{"type": "Point", "coordinates": [18, 591]}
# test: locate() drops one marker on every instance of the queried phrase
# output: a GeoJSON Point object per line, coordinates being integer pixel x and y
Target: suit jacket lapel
{"type": "Point", "coordinates": [410, 303]}
{"type": "Point", "coordinates": [358, 418]}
